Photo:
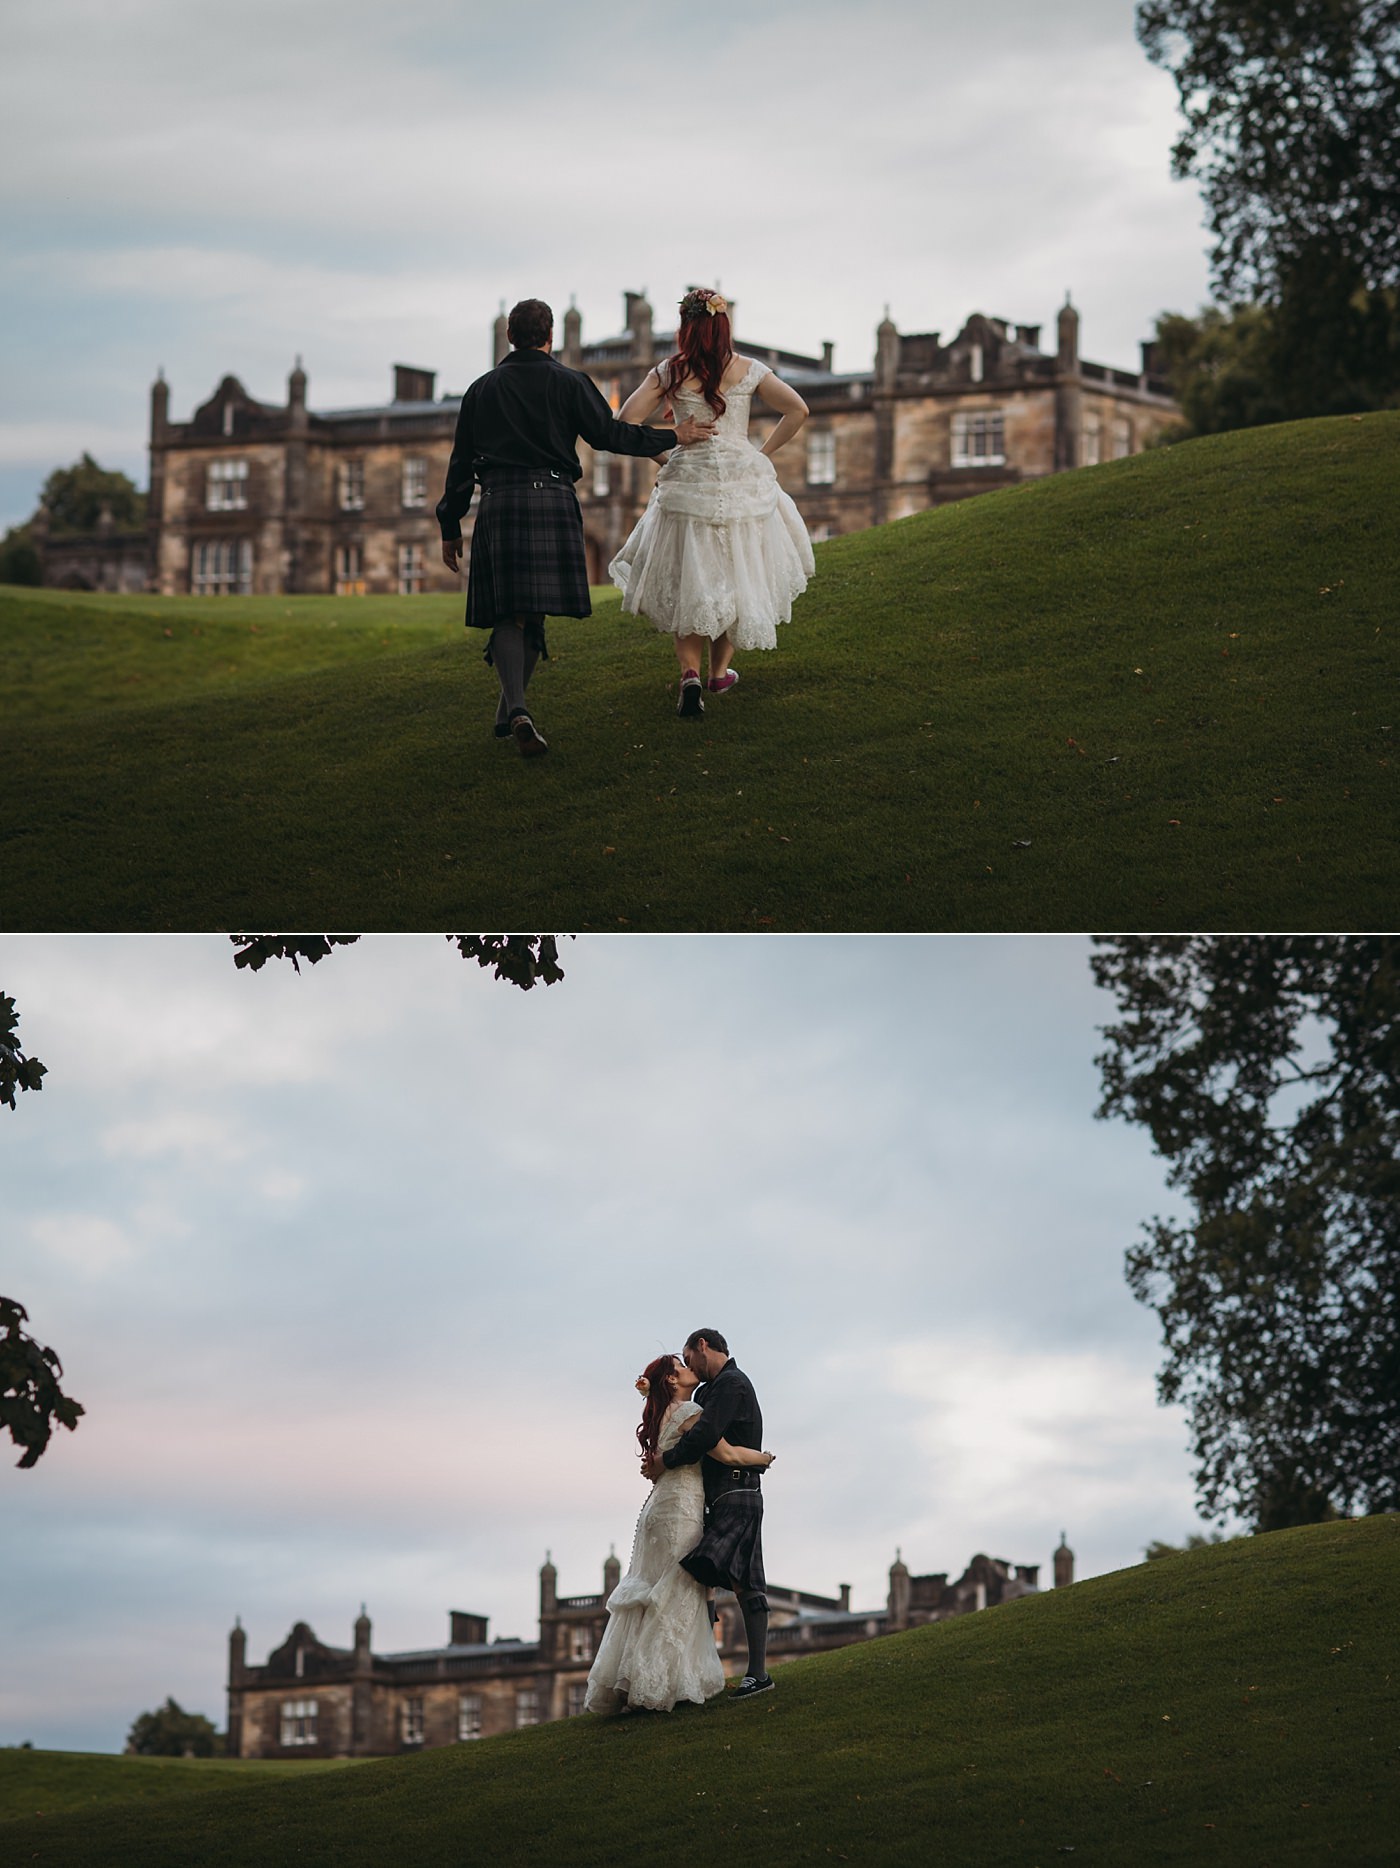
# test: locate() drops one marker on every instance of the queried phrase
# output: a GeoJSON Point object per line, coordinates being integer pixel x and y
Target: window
{"type": "Point", "coordinates": [819, 533]}
{"type": "Point", "coordinates": [410, 570]}
{"type": "Point", "coordinates": [821, 457]}
{"type": "Point", "coordinates": [226, 486]}
{"type": "Point", "coordinates": [577, 1690]}
{"type": "Point", "coordinates": [222, 567]}
{"type": "Point", "coordinates": [352, 486]}
{"type": "Point", "coordinates": [415, 481]}
{"type": "Point", "coordinates": [228, 418]}
{"type": "Point", "coordinates": [580, 1644]}
{"type": "Point", "coordinates": [298, 1721]}
{"type": "Point", "coordinates": [412, 1717]}
{"type": "Point", "coordinates": [527, 1706]}
{"type": "Point", "coordinates": [1122, 437]}
{"type": "Point", "coordinates": [1092, 451]}
{"type": "Point", "coordinates": [975, 362]}
{"type": "Point", "coordinates": [349, 575]}
{"type": "Point", "coordinates": [469, 1716]}
{"type": "Point", "coordinates": [978, 439]}
{"type": "Point", "coordinates": [600, 476]}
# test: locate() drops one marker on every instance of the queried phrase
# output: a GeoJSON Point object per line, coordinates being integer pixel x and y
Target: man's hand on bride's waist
{"type": "Point", "coordinates": [690, 431]}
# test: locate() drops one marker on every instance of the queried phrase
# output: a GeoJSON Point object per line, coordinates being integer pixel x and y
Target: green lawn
{"type": "Point", "coordinates": [1154, 694]}
{"type": "Point", "coordinates": [1234, 1705]}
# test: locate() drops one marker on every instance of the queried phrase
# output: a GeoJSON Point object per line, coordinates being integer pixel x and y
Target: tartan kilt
{"type": "Point", "coordinates": [527, 553]}
{"type": "Point", "coordinates": [730, 1554]}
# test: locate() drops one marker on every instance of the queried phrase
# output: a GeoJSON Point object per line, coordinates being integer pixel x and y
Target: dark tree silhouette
{"type": "Point", "coordinates": [1267, 1071]}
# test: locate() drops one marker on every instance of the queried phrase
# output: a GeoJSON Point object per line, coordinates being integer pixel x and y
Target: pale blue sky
{"type": "Point", "coordinates": [354, 1271]}
{"type": "Point", "coordinates": [219, 189]}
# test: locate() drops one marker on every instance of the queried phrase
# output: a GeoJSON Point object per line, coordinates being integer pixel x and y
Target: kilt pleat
{"type": "Point", "coordinates": [730, 1553]}
{"type": "Point", "coordinates": [527, 552]}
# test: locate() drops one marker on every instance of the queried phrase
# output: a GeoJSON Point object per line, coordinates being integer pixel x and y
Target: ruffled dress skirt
{"type": "Point", "coordinates": [658, 1648]}
{"type": "Point", "coordinates": [720, 550]}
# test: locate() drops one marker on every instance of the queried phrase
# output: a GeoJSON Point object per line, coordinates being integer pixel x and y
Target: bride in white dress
{"type": "Point", "coordinates": [658, 1647]}
{"type": "Point", "coordinates": [721, 551]}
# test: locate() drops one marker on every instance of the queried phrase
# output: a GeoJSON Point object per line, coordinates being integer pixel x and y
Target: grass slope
{"type": "Point", "coordinates": [1233, 1705]}
{"type": "Point", "coordinates": [1158, 693]}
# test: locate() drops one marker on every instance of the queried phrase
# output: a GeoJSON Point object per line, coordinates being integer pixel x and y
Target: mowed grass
{"type": "Point", "coordinates": [1235, 1705]}
{"type": "Point", "coordinates": [1154, 694]}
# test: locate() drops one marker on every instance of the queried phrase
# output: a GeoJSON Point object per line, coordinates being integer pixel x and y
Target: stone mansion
{"type": "Point", "coordinates": [267, 497]}
{"type": "Point", "coordinates": [313, 1700]}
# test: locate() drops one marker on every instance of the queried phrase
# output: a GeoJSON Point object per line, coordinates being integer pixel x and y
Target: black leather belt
{"type": "Point", "coordinates": [523, 476]}
{"type": "Point", "coordinates": [748, 1476]}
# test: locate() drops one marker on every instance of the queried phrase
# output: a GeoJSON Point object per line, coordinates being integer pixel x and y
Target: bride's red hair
{"type": "Point", "coordinates": [658, 1376]}
{"type": "Point", "coordinates": [703, 350]}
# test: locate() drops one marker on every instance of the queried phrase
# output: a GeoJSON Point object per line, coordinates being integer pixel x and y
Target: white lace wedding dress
{"type": "Point", "coordinates": [658, 1646]}
{"type": "Point", "coordinates": [720, 549]}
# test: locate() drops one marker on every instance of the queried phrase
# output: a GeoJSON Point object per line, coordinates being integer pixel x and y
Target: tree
{"type": "Point", "coordinates": [172, 1732]}
{"type": "Point", "coordinates": [75, 497]}
{"type": "Point", "coordinates": [1292, 112]}
{"type": "Point", "coordinates": [1217, 364]}
{"type": "Point", "coordinates": [521, 959]}
{"type": "Point", "coordinates": [19, 560]}
{"type": "Point", "coordinates": [1195, 1541]}
{"type": "Point", "coordinates": [31, 1400]}
{"type": "Point", "coordinates": [1267, 1071]}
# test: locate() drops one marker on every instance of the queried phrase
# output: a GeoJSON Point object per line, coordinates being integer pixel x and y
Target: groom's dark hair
{"type": "Point", "coordinates": [530, 324]}
{"type": "Point", "coordinates": [712, 1337]}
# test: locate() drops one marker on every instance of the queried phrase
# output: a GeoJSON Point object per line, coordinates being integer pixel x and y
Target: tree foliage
{"type": "Point", "coordinates": [519, 959]}
{"type": "Point", "coordinates": [1292, 126]}
{"type": "Point", "coordinates": [31, 1401]}
{"type": "Point", "coordinates": [1267, 1071]}
{"type": "Point", "coordinates": [17, 1072]}
{"type": "Point", "coordinates": [171, 1732]}
{"type": "Point", "coordinates": [19, 560]}
{"type": "Point", "coordinates": [1318, 351]}
{"type": "Point", "coordinates": [75, 497]}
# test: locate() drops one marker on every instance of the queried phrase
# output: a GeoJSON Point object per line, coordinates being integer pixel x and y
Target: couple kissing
{"type": "Point", "coordinates": [700, 1529]}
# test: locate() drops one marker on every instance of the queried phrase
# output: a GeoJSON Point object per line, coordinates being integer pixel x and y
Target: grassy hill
{"type": "Point", "coordinates": [1238, 1704]}
{"type": "Point", "coordinates": [1157, 693]}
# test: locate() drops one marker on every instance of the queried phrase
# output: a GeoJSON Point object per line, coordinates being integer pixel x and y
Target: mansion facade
{"type": "Point", "coordinates": [265, 498]}
{"type": "Point", "coordinates": [313, 1700]}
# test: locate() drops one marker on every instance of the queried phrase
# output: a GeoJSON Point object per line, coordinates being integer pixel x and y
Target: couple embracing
{"type": "Point", "coordinates": [701, 1528]}
{"type": "Point", "coordinates": [716, 558]}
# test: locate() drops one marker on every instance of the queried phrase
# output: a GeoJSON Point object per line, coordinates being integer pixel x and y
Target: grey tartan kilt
{"type": "Point", "coordinates": [730, 1554]}
{"type": "Point", "coordinates": [527, 554]}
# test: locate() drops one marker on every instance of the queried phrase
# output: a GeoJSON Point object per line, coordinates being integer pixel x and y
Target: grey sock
{"type": "Point", "coordinates": [756, 1634]}
{"type": "Point", "coordinates": [508, 658]}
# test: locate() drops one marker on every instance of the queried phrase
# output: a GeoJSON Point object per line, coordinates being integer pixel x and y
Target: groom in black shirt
{"type": "Point", "coordinates": [730, 1553]}
{"type": "Point", "coordinates": [517, 436]}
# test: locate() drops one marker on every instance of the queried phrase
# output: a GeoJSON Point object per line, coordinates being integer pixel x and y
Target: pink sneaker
{"type": "Point", "coordinates": [726, 681]}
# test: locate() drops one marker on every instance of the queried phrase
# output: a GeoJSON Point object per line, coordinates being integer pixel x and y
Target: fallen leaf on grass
{"type": "Point", "coordinates": [610, 849]}
{"type": "Point", "coordinates": [1021, 843]}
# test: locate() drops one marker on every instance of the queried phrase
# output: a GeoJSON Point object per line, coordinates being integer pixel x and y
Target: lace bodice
{"type": "Point", "coordinates": [680, 1417]}
{"type": "Point", "coordinates": [733, 425]}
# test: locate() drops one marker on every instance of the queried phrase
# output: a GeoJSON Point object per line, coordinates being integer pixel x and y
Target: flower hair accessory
{"type": "Point", "coordinates": [700, 298]}
{"type": "Point", "coordinates": [642, 1385]}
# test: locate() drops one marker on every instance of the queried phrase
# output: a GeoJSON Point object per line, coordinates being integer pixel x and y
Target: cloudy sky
{"type": "Point", "coordinates": [212, 188]}
{"type": "Point", "coordinates": [353, 1273]}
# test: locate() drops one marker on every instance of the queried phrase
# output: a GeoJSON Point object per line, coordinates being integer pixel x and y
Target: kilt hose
{"type": "Point", "coordinates": [730, 1553]}
{"type": "Point", "coordinates": [527, 552]}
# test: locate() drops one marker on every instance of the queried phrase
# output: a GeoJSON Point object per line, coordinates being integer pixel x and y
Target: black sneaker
{"type": "Point", "coordinates": [502, 729]}
{"type": "Point", "coordinates": [748, 1686]}
{"type": "Point", "coordinates": [527, 736]}
{"type": "Point", "coordinates": [691, 704]}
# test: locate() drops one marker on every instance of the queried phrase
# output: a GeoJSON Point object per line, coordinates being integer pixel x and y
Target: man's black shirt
{"type": "Point", "coordinates": [731, 1413]}
{"type": "Point", "coordinates": [530, 412]}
